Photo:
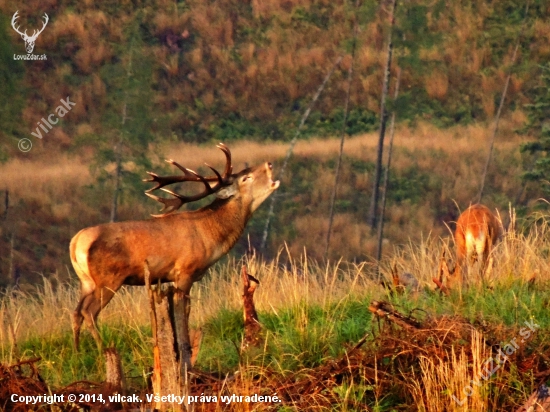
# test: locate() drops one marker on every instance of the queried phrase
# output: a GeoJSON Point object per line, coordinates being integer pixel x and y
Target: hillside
{"type": "Point", "coordinates": [231, 69]}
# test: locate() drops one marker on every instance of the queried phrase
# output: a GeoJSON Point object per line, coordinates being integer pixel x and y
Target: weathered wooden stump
{"type": "Point", "coordinates": [114, 377]}
{"type": "Point", "coordinates": [171, 360]}
{"type": "Point", "coordinates": [252, 327]}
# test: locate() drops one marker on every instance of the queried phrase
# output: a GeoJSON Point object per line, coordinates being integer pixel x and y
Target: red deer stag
{"type": "Point", "coordinates": [477, 231]}
{"type": "Point", "coordinates": [176, 247]}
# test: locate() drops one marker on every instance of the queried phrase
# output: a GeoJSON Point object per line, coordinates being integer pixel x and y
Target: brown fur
{"type": "Point", "coordinates": [177, 248]}
{"type": "Point", "coordinates": [477, 231]}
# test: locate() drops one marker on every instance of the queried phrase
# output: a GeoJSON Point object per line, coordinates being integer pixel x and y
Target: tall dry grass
{"type": "Point", "coordinates": [459, 140]}
{"type": "Point", "coordinates": [47, 309]}
{"type": "Point", "coordinates": [46, 180]}
{"type": "Point", "coordinates": [517, 257]}
{"type": "Point", "coordinates": [285, 281]}
{"type": "Point", "coordinates": [444, 385]}
{"type": "Point", "coordinates": [298, 283]}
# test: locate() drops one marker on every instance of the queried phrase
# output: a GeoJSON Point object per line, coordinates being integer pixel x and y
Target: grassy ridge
{"type": "Point", "coordinates": [310, 313]}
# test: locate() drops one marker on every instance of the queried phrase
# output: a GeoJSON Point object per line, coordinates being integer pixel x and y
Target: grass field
{"type": "Point", "coordinates": [312, 314]}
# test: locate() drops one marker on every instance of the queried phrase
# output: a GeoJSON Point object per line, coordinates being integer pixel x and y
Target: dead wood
{"type": "Point", "coordinates": [114, 376]}
{"type": "Point", "coordinates": [444, 274]}
{"type": "Point", "coordinates": [385, 311]}
{"type": "Point", "coordinates": [166, 377]}
{"type": "Point", "coordinates": [252, 327]}
{"type": "Point", "coordinates": [386, 363]}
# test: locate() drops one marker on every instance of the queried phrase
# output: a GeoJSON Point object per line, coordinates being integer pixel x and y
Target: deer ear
{"type": "Point", "coordinates": [226, 192]}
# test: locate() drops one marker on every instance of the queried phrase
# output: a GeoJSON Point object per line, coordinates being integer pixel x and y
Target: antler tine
{"type": "Point", "coordinates": [219, 178]}
{"type": "Point", "coordinates": [170, 205]}
{"type": "Point", "coordinates": [191, 174]}
{"type": "Point", "coordinates": [161, 181]}
{"type": "Point", "coordinates": [228, 167]}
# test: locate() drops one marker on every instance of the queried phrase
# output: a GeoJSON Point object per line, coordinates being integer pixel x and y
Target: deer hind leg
{"type": "Point", "coordinates": [92, 305]}
{"type": "Point", "coordinates": [78, 318]}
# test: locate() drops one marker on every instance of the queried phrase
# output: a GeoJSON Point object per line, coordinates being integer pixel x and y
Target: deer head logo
{"type": "Point", "coordinates": [29, 40]}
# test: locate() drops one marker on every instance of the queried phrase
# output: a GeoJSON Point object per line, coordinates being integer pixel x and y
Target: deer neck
{"type": "Point", "coordinates": [226, 222]}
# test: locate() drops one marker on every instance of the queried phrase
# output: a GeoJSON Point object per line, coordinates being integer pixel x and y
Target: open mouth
{"type": "Point", "coordinates": [275, 185]}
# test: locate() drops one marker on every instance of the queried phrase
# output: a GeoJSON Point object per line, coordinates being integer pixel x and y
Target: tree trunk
{"type": "Point", "coordinates": [501, 104]}
{"type": "Point", "coordinates": [118, 170]}
{"type": "Point", "coordinates": [114, 205]}
{"type": "Point", "coordinates": [386, 176]}
{"type": "Point", "coordinates": [252, 327]}
{"type": "Point", "coordinates": [383, 119]}
{"type": "Point", "coordinates": [114, 376]}
{"type": "Point", "coordinates": [167, 378]}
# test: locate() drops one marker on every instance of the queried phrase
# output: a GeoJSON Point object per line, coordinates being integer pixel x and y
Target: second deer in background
{"type": "Point", "coordinates": [477, 231]}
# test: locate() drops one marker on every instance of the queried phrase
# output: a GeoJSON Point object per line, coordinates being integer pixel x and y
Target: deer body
{"type": "Point", "coordinates": [176, 248]}
{"type": "Point", "coordinates": [477, 231]}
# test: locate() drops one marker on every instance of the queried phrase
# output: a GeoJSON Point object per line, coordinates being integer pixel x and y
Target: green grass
{"type": "Point", "coordinates": [61, 365]}
{"type": "Point", "coordinates": [297, 337]}
{"type": "Point", "coordinates": [311, 315]}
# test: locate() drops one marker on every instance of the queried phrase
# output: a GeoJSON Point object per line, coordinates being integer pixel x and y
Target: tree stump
{"type": "Point", "coordinates": [252, 327]}
{"type": "Point", "coordinates": [166, 379]}
{"type": "Point", "coordinates": [114, 377]}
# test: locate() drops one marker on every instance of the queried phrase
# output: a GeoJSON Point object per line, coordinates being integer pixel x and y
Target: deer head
{"type": "Point", "coordinates": [252, 185]}
{"type": "Point", "coordinates": [29, 40]}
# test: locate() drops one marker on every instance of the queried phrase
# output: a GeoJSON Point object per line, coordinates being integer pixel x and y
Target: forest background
{"type": "Point", "coordinates": [169, 79]}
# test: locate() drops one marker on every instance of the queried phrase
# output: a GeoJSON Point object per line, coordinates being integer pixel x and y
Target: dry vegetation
{"type": "Point", "coordinates": [244, 72]}
{"type": "Point", "coordinates": [409, 370]}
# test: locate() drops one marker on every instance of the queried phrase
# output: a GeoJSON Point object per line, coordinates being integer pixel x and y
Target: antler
{"type": "Point", "coordinates": [171, 205]}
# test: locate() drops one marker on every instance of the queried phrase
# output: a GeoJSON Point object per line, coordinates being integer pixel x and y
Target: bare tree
{"type": "Point", "coordinates": [501, 104]}
{"type": "Point", "coordinates": [291, 149]}
{"type": "Point", "coordinates": [383, 120]}
{"type": "Point", "coordinates": [344, 125]}
{"type": "Point", "coordinates": [386, 175]}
